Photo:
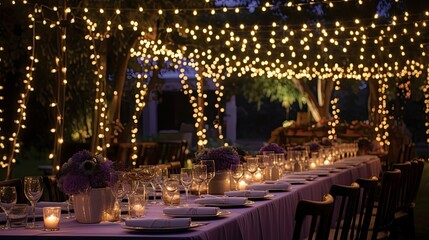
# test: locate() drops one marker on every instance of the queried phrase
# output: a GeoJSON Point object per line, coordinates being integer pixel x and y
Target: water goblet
{"type": "Point", "coordinates": [268, 162]}
{"type": "Point", "coordinates": [237, 172]}
{"type": "Point", "coordinates": [186, 180]}
{"type": "Point", "coordinates": [69, 202]}
{"type": "Point", "coordinates": [118, 191]}
{"type": "Point", "coordinates": [252, 165]}
{"type": "Point", "coordinates": [171, 185]}
{"type": "Point", "coordinates": [279, 160]}
{"type": "Point", "coordinates": [161, 174]}
{"type": "Point", "coordinates": [33, 190]}
{"type": "Point", "coordinates": [7, 201]}
{"type": "Point", "coordinates": [199, 175]}
{"type": "Point", "coordinates": [129, 186]}
{"type": "Point", "coordinates": [211, 171]}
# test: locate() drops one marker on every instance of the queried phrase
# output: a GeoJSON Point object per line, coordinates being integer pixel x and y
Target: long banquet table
{"type": "Point", "coordinates": [267, 219]}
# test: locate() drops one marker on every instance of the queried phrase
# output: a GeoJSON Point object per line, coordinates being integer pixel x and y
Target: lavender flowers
{"type": "Point", "coordinates": [223, 157]}
{"type": "Point", "coordinates": [83, 171]}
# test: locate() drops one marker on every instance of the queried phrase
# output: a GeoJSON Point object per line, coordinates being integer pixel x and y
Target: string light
{"type": "Point", "coordinates": [426, 94]}
{"type": "Point", "coordinates": [7, 162]}
{"type": "Point", "coordinates": [368, 50]}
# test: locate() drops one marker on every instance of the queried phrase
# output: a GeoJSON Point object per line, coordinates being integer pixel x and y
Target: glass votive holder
{"type": "Point", "coordinates": [18, 215]}
{"type": "Point", "coordinates": [51, 218]}
{"type": "Point", "coordinates": [137, 205]}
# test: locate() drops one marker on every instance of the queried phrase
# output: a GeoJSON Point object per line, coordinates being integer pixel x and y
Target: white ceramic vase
{"type": "Point", "coordinates": [90, 206]}
{"type": "Point", "coordinates": [220, 183]}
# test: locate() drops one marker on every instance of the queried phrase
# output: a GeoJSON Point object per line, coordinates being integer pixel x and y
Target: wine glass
{"type": "Point", "coordinates": [237, 172]}
{"type": "Point", "coordinates": [279, 160]}
{"type": "Point", "coordinates": [33, 189]}
{"type": "Point", "coordinates": [199, 175]}
{"type": "Point", "coordinates": [146, 174]}
{"type": "Point", "coordinates": [7, 201]}
{"type": "Point", "coordinates": [211, 171]}
{"type": "Point", "coordinates": [118, 190]}
{"type": "Point", "coordinates": [252, 165]}
{"type": "Point", "coordinates": [129, 186]}
{"type": "Point", "coordinates": [69, 202]}
{"type": "Point", "coordinates": [161, 174]}
{"type": "Point", "coordinates": [171, 185]}
{"type": "Point", "coordinates": [268, 162]}
{"type": "Point", "coordinates": [186, 180]}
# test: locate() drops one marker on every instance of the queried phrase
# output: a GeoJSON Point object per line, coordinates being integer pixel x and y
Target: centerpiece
{"type": "Point", "coordinates": [223, 157]}
{"type": "Point", "coordinates": [87, 178]}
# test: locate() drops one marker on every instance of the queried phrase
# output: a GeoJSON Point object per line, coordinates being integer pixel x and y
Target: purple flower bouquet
{"type": "Point", "coordinates": [223, 157]}
{"type": "Point", "coordinates": [272, 147]}
{"type": "Point", "coordinates": [84, 171]}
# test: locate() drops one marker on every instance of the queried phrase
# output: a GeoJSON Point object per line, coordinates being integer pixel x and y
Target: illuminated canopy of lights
{"type": "Point", "coordinates": [362, 49]}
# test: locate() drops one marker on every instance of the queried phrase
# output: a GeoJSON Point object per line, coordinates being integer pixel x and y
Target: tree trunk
{"type": "Point", "coordinates": [318, 106]}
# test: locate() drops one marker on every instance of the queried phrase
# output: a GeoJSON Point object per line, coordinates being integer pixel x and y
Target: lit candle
{"type": "Point", "coordinates": [326, 162]}
{"type": "Point", "coordinates": [312, 165]}
{"type": "Point", "coordinates": [51, 222]}
{"type": "Point", "coordinates": [242, 185]}
{"type": "Point", "coordinates": [258, 176]}
{"type": "Point", "coordinates": [138, 210]}
{"type": "Point", "coordinates": [51, 218]}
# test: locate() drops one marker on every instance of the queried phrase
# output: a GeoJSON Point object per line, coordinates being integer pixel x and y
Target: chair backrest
{"type": "Point", "coordinates": [19, 186]}
{"type": "Point", "coordinates": [405, 188]}
{"type": "Point", "coordinates": [416, 177]}
{"type": "Point", "coordinates": [365, 205]}
{"type": "Point", "coordinates": [387, 202]}
{"type": "Point", "coordinates": [345, 206]}
{"type": "Point", "coordinates": [320, 213]}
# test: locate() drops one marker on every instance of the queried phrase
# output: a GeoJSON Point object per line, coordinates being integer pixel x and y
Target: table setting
{"type": "Point", "coordinates": [254, 196]}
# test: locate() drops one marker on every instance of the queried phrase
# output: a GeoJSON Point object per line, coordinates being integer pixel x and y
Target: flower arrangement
{"type": "Point", "coordinates": [84, 171]}
{"type": "Point", "coordinates": [272, 147]}
{"type": "Point", "coordinates": [223, 157]}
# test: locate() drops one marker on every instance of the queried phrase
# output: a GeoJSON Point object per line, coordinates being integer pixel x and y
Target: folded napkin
{"type": "Point", "coordinates": [221, 200]}
{"type": "Point", "coordinates": [279, 185]}
{"type": "Point", "coordinates": [192, 211]}
{"type": "Point", "coordinates": [294, 180]}
{"type": "Point", "coordinates": [246, 193]}
{"type": "Point", "coordinates": [158, 222]}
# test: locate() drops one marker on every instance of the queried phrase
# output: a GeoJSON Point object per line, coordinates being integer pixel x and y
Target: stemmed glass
{"type": "Point", "coordinates": [33, 189]}
{"type": "Point", "coordinates": [146, 174]}
{"type": "Point", "coordinates": [7, 201]}
{"type": "Point", "coordinates": [171, 185]}
{"type": "Point", "coordinates": [237, 172]}
{"type": "Point", "coordinates": [268, 162]}
{"type": "Point", "coordinates": [129, 186]}
{"type": "Point", "coordinates": [279, 160]}
{"type": "Point", "coordinates": [252, 165]}
{"type": "Point", "coordinates": [186, 180]}
{"type": "Point", "coordinates": [161, 174]}
{"type": "Point", "coordinates": [199, 175]}
{"type": "Point", "coordinates": [69, 203]}
{"type": "Point", "coordinates": [211, 171]}
{"type": "Point", "coordinates": [118, 190]}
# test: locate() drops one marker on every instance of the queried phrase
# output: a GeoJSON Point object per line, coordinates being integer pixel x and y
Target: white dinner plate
{"type": "Point", "coordinates": [220, 213]}
{"type": "Point", "coordinates": [164, 230]}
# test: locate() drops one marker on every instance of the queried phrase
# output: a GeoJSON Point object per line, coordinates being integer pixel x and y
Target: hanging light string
{"type": "Point", "coordinates": [426, 94]}
{"type": "Point", "coordinates": [23, 100]}
{"type": "Point", "coordinates": [335, 121]}
{"type": "Point", "coordinates": [3, 156]}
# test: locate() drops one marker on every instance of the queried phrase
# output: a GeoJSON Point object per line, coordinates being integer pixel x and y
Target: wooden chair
{"type": "Point", "coordinates": [404, 215]}
{"type": "Point", "coordinates": [387, 202]}
{"type": "Point", "coordinates": [345, 206]}
{"type": "Point", "coordinates": [320, 213]}
{"type": "Point", "coordinates": [365, 206]}
{"type": "Point", "coordinates": [19, 186]}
